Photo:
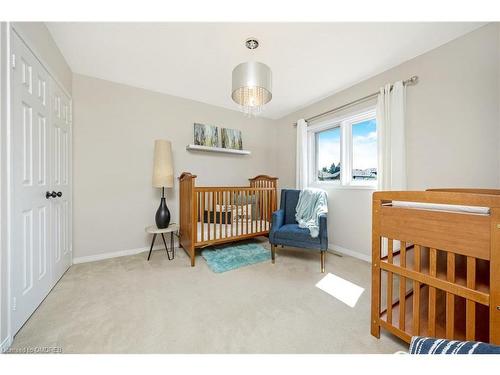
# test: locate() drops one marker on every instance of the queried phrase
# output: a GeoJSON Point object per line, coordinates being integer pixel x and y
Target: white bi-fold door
{"type": "Point", "coordinates": [41, 182]}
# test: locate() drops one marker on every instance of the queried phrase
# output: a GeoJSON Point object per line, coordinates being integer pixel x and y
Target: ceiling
{"type": "Point", "coordinates": [194, 60]}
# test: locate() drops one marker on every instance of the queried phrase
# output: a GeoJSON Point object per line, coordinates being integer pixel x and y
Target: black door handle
{"type": "Point", "coordinates": [49, 194]}
{"type": "Point", "coordinates": [53, 194]}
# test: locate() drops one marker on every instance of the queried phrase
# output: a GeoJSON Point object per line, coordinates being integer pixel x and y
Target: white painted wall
{"type": "Point", "coordinates": [114, 130]}
{"type": "Point", "coordinates": [452, 129]}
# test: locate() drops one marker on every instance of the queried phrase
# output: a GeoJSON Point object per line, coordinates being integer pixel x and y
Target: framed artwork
{"type": "Point", "coordinates": [206, 135]}
{"type": "Point", "coordinates": [231, 138]}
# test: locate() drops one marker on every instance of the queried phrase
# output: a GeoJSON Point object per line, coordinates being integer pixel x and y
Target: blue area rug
{"type": "Point", "coordinates": [229, 257]}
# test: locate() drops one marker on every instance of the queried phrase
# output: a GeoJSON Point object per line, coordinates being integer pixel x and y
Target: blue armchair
{"type": "Point", "coordinates": [286, 232]}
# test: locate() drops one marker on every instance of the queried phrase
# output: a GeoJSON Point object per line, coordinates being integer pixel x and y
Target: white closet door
{"type": "Point", "coordinates": [41, 164]}
{"type": "Point", "coordinates": [31, 210]}
{"type": "Point", "coordinates": [61, 179]}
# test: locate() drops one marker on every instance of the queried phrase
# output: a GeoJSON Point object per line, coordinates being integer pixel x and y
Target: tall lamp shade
{"type": "Point", "coordinates": [163, 177]}
{"type": "Point", "coordinates": [163, 173]}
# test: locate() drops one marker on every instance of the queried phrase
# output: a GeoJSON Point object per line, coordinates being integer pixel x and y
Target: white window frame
{"type": "Point", "coordinates": [345, 123]}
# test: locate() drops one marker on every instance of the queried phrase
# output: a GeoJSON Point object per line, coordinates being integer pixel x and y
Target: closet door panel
{"type": "Point", "coordinates": [61, 151]}
{"type": "Point", "coordinates": [31, 240]}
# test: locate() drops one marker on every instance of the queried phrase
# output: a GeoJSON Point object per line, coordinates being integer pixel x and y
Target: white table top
{"type": "Point", "coordinates": [173, 227]}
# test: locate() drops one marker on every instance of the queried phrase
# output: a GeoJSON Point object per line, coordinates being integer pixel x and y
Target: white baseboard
{"type": "Point", "coordinates": [5, 345]}
{"type": "Point", "coordinates": [116, 254]}
{"type": "Point", "coordinates": [351, 253]}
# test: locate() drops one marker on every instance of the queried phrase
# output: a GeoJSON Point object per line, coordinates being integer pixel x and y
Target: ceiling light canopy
{"type": "Point", "coordinates": [252, 83]}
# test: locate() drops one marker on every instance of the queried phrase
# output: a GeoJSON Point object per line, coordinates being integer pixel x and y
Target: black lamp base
{"type": "Point", "coordinates": [162, 215]}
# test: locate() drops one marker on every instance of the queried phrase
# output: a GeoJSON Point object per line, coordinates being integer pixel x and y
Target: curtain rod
{"type": "Point", "coordinates": [410, 81]}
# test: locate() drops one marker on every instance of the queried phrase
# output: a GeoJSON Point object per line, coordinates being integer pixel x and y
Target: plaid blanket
{"type": "Point", "coordinates": [428, 345]}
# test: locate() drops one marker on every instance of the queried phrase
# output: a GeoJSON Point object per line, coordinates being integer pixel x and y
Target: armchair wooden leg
{"type": "Point", "coordinates": [273, 253]}
{"type": "Point", "coordinates": [323, 261]}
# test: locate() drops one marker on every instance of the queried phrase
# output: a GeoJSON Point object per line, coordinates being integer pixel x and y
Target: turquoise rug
{"type": "Point", "coordinates": [229, 257]}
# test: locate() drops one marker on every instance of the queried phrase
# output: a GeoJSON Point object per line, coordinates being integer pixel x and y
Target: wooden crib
{"type": "Point", "coordinates": [436, 273]}
{"type": "Point", "coordinates": [220, 214]}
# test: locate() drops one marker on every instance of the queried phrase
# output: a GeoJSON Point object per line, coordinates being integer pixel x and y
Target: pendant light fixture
{"type": "Point", "coordinates": [252, 83]}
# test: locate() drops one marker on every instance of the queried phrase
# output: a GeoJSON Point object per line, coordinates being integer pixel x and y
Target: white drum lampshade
{"type": "Point", "coordinates": [163, 172]}
{"type": "Point", "coordinates": [252, 86]}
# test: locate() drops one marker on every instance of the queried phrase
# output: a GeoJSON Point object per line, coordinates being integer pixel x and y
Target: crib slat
{"type": "Point", "coordinates": [450, 298]}
{"type": "Point", "coordinates": [246, 209]}
{"type": "Point", "coordinates": [259, 227]}
{"type": "Point", "coordinates": [389, 281]}
{"type": "Point", "coordinates": [226, 213]}
{"type": "Point", "coordinates": [198, 217]}
{"type": "Point", "coordinates": [214, 209]}
{"type": "Point", "coordinates": [266, 203]}
{"type": "Point", "coordinates": [402, 288]}
{"type": "Point", "coordinates": [233, 212]}
{"type": "Point", "coordinates": [432, 293]}
{"type": "Point", "coordinates": [470, 310]}
{"type": "Point", "coordinates": [238, 211]}
{"type": "Point", "coordinates": [416, 293]}
{"type": "Point", "coordinates": [252, 199]}
{"type": "Point", "coordinates": [219, 225]}
{"type": "Point", "coordinates": [264, 213]}
{"type": "Point", "coordinates": [203, 216]}
{"type": "Point", "coordinates": [214, 195]}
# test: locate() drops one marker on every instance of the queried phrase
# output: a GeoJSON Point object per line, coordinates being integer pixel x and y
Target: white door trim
{"type": "Point", "coordinates": [6, 174]}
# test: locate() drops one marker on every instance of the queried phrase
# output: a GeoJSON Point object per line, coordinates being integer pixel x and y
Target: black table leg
{"type": "Point", "coordinates": [166, 248]}
{"type": "Point", "coordinates": [172, 244]}
{"type": "Point", "coordinates": [152, 243]}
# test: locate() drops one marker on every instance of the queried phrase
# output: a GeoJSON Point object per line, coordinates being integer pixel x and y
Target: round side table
{"type": "Point", "coordinates": [172, 229]}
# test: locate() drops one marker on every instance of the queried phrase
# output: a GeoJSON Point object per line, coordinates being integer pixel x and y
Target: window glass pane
{"type": "Point", "coordinates": [328, 154]}
{"type": "Point", "coordinates": [364, 152]}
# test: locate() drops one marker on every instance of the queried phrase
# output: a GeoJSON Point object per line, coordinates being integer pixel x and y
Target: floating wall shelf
{"type": "Point", "coordinates": [217, 149]}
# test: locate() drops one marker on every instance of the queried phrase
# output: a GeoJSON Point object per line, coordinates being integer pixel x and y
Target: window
{"type": "Point", "coordinates": [328, 154]}
{"type": "Point", "coordinates": [364, 151]}
{"type": "Point", "coordinates": [344, 150]}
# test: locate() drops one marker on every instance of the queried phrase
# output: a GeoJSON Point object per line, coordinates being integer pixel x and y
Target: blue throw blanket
{"type": "Point", "coordinates": [427, 345]}
{"type": "Point", "coordinates": [312, 203]}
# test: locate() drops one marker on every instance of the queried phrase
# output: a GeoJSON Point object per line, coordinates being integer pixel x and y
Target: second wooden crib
{"type": "Point", "coordinates": [435, 268]}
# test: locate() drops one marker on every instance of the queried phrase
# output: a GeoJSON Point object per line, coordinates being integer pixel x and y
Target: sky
{"type": "Point", "coordinates": [364, 138]}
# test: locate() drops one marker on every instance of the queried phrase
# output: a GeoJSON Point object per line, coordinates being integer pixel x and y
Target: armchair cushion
{"type": "Point", "coordinates": [293, 232]}
{"type": "Point", "coordinates": [278, 219]}
{"type": "Point", "coordinates": [289, 200]}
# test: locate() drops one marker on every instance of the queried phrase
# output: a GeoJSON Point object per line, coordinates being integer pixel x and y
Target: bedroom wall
{"type": "Point", "coordinates": [452, 129]}
{"type": "Point", "coordinates": [114, 130]}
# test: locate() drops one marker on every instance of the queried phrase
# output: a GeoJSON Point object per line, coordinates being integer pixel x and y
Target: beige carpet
{"type": "Point", "coordinates": [129, 305]}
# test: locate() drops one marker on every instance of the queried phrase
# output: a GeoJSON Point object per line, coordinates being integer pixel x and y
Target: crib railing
{"type": "Point", "coordinates": [216, 214]}
{"type": "Point", "coordinates": [232, 212]}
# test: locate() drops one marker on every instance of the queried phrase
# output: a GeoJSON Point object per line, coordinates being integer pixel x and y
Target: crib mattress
{"type": "Point", "coordinates": [222, 231]}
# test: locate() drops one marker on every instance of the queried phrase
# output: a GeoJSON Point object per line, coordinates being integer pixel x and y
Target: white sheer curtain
{"type": "Point", "coordinates": [301, 160]}
{"type": "Point", "coordinates": [391, 137]}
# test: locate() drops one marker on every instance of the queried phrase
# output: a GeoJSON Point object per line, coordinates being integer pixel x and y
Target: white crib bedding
{"type": "Point", "coordinates": [219, 231]}
{"type": "Point", "coordinates": [443, 207]}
